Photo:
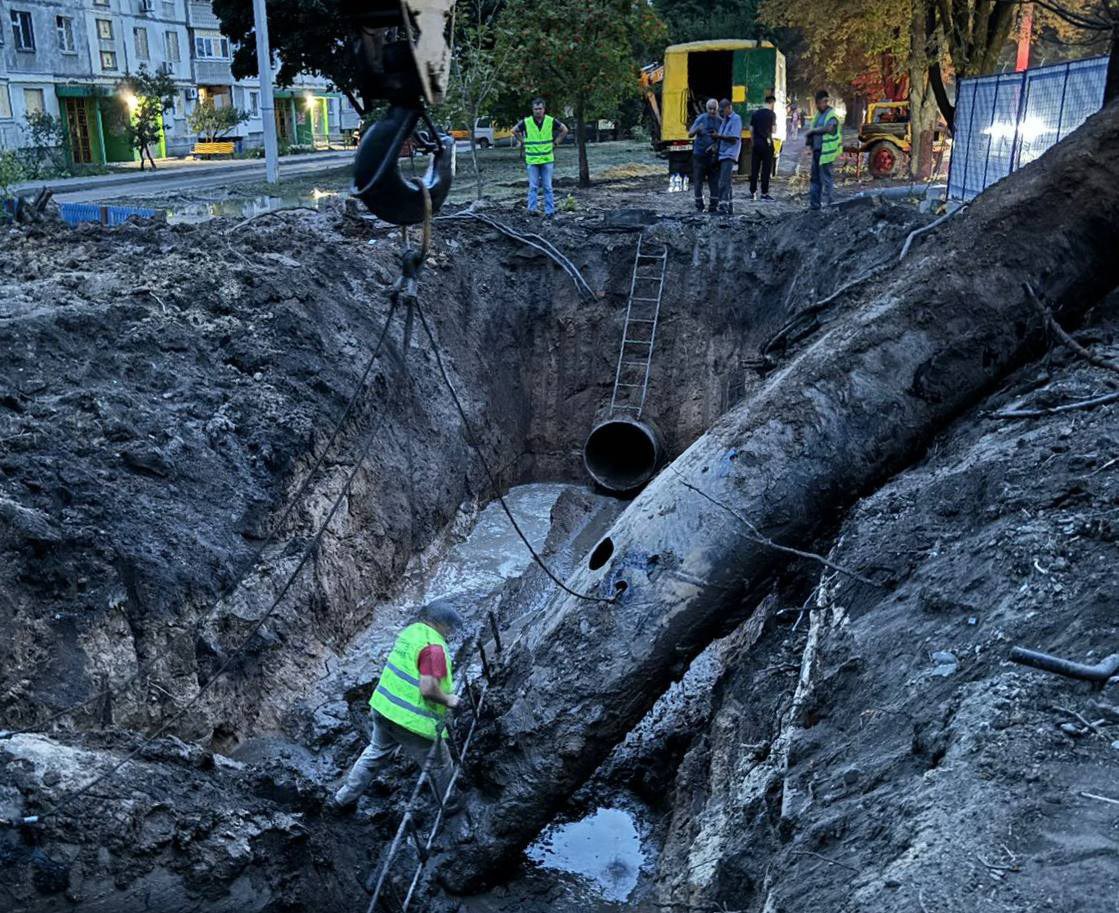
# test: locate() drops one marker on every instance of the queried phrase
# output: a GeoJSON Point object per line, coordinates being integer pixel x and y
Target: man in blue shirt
{"type": "Point", "coordinates": [704, 163]}
{"type": "Point", "coordinates": [729, 138]}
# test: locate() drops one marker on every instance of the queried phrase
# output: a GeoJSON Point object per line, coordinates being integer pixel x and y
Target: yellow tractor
{"type": "Point", "coordinates": [887, 138]}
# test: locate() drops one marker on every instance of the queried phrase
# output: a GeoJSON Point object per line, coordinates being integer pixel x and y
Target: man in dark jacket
{"type": "Point", "coordinates": [762, 124]}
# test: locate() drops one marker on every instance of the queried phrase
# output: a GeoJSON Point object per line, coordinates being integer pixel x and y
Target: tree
{"type": "Point", "coordinates": [148, 95]}
{"type": "Point", "coordinates": [577, 53]}
{"type": "Point", "coordinates": [697, 20]}
{"type": "Point", "coordinates": [45, 153]}
{"type": "Point", "coordinates": [309, 36]}
{"type": "Point", "coordinates": [212, 122]}
{"type": "Point", "coordinates": [1092, 18]}
{"type": "Point", "coordinates": [477, 66]}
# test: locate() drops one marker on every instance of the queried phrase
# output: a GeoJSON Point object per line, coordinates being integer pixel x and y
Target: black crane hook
{"type": "Point", "coordinates": [378, 183]}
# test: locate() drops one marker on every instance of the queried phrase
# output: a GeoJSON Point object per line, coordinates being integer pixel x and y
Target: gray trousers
{"type": "Point", "coordinates": [387, 737]}
{"type": "Point", "coordinates": [726, 184]}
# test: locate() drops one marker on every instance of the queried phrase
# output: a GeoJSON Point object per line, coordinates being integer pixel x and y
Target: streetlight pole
{"type": "Point", "coordinates": [267, 111]}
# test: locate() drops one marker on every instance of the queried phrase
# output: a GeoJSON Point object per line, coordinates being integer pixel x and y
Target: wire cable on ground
{"type": "Point", "coordinates": [536, 242]}
{"type": "Point", "coordinates": [258, 552]}
{"type": "Point", "coordinates": [472, 440]}
{"type": "Point", "coordinates": [370, 438]}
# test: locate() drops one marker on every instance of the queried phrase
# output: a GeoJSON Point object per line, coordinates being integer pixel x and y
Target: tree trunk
{"type": "Point", "coordinates": [581, 142]}
{"type": "Point", "coordinates": [922, 102]}
{"type": "Point", "coordinates": [474, 157]}
{"type": "Point", "coordinates": [850, 411]}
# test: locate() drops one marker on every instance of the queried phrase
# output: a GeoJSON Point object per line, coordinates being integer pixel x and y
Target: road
{"type": "Point", "coordinates": [185, 176]}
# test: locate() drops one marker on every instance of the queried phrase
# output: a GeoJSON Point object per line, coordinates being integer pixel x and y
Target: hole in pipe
{"type": "Point", "coordinates": [601, 553]}
{"type": "Point", "coordinates": [622, 454]}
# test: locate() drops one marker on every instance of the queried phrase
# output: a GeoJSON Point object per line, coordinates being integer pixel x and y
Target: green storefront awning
{"type": "Point", "coordinates": [80, 91]}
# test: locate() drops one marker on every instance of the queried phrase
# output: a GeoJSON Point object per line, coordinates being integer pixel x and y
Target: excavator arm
{"type": "Point", "coordinates": [402, 57]}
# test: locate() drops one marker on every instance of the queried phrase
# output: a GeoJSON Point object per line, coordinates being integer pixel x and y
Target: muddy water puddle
{"type": "Point", "coordinates": [604, 848]}
{"type": "Point", "coordinates": [239, 207]}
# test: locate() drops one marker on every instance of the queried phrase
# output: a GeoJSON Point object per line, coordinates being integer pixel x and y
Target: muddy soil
{"type": "Point", "coordinates": [876, 750]}
{"type": "Point", "coordinates": [168, 390]}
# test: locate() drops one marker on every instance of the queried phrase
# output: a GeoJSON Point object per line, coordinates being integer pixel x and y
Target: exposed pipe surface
{"type": "Point", "coordinates": [622, 454]}
{"type": "Point", "coordinates": [693, 550]}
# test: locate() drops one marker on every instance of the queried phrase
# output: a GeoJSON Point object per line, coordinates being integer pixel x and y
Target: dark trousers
{"type": "Point", "coordinates": [703, 169]}
{"type": "Point", "coordinates": [726, 184]}
{"type": "Point", "coordinates": [761, 161]}
{"type": "Point", "coordinates": [822, 186]}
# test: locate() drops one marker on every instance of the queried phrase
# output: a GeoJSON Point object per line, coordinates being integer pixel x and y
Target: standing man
{"type": "Point", "coordinates": [762, 123]}
{"type": "Point", "coordinates": [704, 151]}
{"type": "Point", "coordinates": [826, 139]}
{"type": "Point", "coordinates": [729, 138]}
{"type": "Point", "coordinates": [539, 135]}
{"type": "Point", "coordinates": [410, 703]}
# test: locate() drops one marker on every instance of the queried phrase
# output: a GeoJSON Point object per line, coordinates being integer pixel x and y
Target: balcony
{"type": "Point", "coordinates": [201, 15]}
{"type": "Point", "coordinates": [213, 73]}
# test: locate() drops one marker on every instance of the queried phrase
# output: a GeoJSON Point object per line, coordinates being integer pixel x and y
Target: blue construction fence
{"type": "Point", "coordinates": [1008, 120]}
{"type": "Point", "coordinates": [76, 213]}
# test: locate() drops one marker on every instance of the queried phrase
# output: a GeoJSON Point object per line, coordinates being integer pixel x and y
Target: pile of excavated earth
{"type": "Point", "coordinates": [790, 688]}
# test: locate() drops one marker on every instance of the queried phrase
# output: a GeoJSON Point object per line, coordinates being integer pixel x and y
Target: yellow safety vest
{"type": "Point", "coordinates": [540, 149]}
{"type": "Point", "coordinates": [832, 142]}
{"type": "Point", "coordinates": [397, 695]}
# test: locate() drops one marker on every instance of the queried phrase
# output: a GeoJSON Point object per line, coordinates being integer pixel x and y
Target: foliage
{"type": "Point", "coordinates": [477, 67]}
{"type": "Point", "coordinates": [212, 122]}
{"type": "Point", "coordinates": [841, 40]}
{"type": "Point", "coordinates": [581, 54]}
{"type": "Point", "coordinates": [310, 36]}
{"type": "Point", "coordinates": [12, 172]}
{"type": "Point", "coordinates": [148, 94]}
{"type": "Point", "coordinates": [698, 20]}
{"type": "Point", "coordinates": [45, 154]}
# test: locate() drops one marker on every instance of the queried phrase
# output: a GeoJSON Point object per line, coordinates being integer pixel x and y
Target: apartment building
{"type": "Point", "coordinates": [66, 57]}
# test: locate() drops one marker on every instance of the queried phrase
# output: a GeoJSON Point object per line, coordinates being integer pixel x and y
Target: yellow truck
{"type": "Point", "coordinates": [743, 70]}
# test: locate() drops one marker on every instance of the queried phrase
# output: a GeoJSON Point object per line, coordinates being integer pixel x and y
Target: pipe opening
{"type": "Point", "coordinates": [601, 553]}
{"type": "Point", "coordinates": [622, 454]}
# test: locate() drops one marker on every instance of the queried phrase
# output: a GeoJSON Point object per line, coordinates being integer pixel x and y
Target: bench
{"type": "Point", "coordinates": [203, 150]}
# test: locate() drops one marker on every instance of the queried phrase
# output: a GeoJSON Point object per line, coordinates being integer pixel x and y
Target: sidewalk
{"type": "Point", "coordinates": [179, 169]}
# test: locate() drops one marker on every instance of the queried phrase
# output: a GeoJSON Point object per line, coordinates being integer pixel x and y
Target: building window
{"type": "Point", "coordinates": [105, 29]}
{"type": "Point", "coordinates": [141, 36]}
{"type": "Point", "coordinates": [65, 28]}
{"type": "Point", "coordinates": [254, 104]}
{"type": "Point", "coordinates": [5, 103]}
{"type": "Point", "coordinates": [100, 2]}
{"type": "Point", "coordinates": [33, 101]}
{"type": "Point", "coordinates": [23, 30]}
{"type": "Point", "coordinates": [171, 42]}
{"type": "Point", "coordinates": [211, 46]}
{"type": "Point", "coordinates": [108, 60]}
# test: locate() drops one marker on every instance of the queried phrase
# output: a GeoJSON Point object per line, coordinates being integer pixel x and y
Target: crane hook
{"type": "Point", "coordinates": [378, 183]}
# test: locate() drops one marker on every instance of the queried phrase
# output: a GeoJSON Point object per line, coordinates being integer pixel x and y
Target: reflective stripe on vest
{"type": "Point", "coordinates": [397, 696]}
{"type": "Point", "coordinates": [829, 149]}
{"type": "Point", "coordinates": [539, 145]}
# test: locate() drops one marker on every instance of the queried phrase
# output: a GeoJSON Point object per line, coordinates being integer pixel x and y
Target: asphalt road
{"type": "Point", "coordinates": [183, 177]}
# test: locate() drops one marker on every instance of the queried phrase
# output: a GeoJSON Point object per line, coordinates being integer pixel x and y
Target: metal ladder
{"type": "Point", "coordinates": [631, 378]}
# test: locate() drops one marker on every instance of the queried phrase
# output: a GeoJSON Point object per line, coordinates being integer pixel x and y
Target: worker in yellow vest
{"type": "Point", "coordinates": [826, 138]}
{"type": "Point", "coordinates": [539, 135]}
{"type": "Point", "coordinates": [410, 703]}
